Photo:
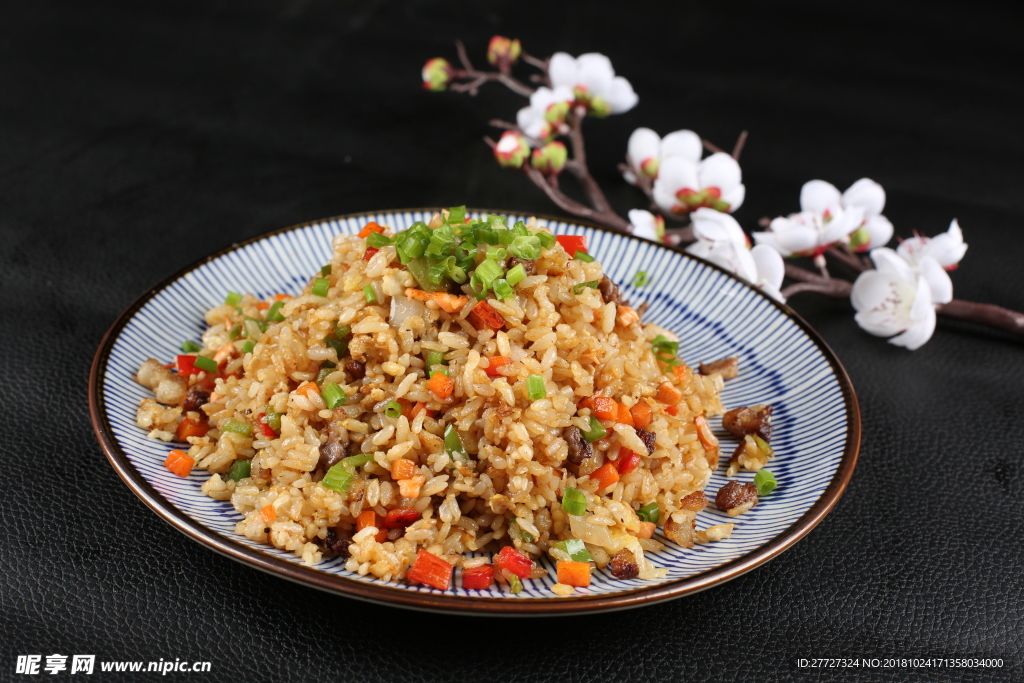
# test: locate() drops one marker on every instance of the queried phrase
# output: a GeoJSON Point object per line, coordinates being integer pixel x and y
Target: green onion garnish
{"type": "Point", "coordinates": [515, 584]}
{"type": "Point", "coordinates": [765, 482]}
{"type": "Point", "coordinates": [326, 270]}
{"type": "Point", "coordinates": [763, 445]}
{"type": "Point", "coordinates": [666, 351]}
{"type": "Point", "coordinates": [190, 347]}
{"type": "Point", "coordinates": [578, 289]}
{"type": "Point", "coordinates": [453, 444]}
{"type": "Point", "coordinates": [320, 286]}
{"type": "Point", "coordinates": [640, 279]}
{"type": "Point", "coordinates": [546, 239]}
{"type": "Point", "coordinates": [274, 312]}
{"type": "Point", "coordinates": [441, 242]}
{"type": "Point", "coordinates": [515, 530]}
{"type": "Point", "coordinates": [355, 461]}
{"type": "Point", "coordinates": [488, 271]}
{"type": "Point", "coordinates": [597, 431]}
{"type": "Point", "coordinates": [207, 364]}
{"type": "Point", "coordinates": [526, 247]}
{"type": "Point", "coordinates": [273, 420]}
{"type": "Point", "coordinates": [574, 502]}
{"type": "Point", "coordinates": [377, 240]}
{"type": "Point", "coordinates": [435, 358]}
{"type": "Point", "coordinates": [233, 298]}
{"type": "Point", "coordinates": [535, 388]}
{"type": "Point", "coordinates": [457, 214]}
{"type": "Point", "coordinates": [323, 374]}
{"type": "Point", "coordinates": [339, 345]}
{"type": "Point", "coordinates": [649, 513]}
{"type": "Point", "coordinates": [575, 549]}
{"type": "Point", "coordinates": [394, 409]}
{"type": "Point", "coordinates": [240, 469]}
{"type": "Point", "coordinates": [248, 346]}
{"type": "Point", "coordinates": [237, 427]}
{"type": "Point", "coordinates": [332, 394]}
{"type": "Point", "coordinates": [502, 289]}
{"type": "Point", "coordinates": [370, 294]}
{"type": "Point", "coordinates": [338, 478]}
{"type": "Point", "coordinates": [236, 332]}
{"type": "Point", "coordinates": [583, 256]}
{"type": "Point", "coordinates": [516, 275]}
{"type": "Point", "coordinates": [342, 332]}
{"type": "Point", "coordinates": [497, 253]}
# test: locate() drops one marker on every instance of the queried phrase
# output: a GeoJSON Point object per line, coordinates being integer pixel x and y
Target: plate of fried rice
{"type": "Point", "coordinates": [475, 411]}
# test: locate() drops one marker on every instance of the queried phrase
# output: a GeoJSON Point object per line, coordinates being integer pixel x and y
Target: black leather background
{"type": "Point", "coordinates": [136, 137]}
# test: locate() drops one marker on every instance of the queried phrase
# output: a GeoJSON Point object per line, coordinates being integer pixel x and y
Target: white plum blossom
{"type": "Point", "coordinates": [684, 185]}
{"type": "Point", "coordinates": [545, 117]}
{"type": "Point", "coordinates": [721, 240]}
{"type": "Point", "coordinates": [647, 225]}
{"type": "Point", "coordinates": [827, 217]}
{"type": "Point", "coordinates": [593, 82]}
{"type": "Point", "coordinates": [947, 249]}
{"type": "Point", "coordinates": [646, 150]}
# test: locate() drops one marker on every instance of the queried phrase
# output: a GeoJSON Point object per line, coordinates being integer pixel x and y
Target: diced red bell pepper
{"type": "Point", "coordinates": [431, 570]}
{"type": "Point", "coordinates": [370, 251]}
{"type": "Point", "coordinates": [514, 561]}
{"type": "Point", "coordinates": [187, 365]}
{"type": "Point", "coordinates": [480, 577]}
{"type": "Point", "coordinates": [628, 460]}
{"type": "Point", "coordinates": [573, 243]}
{"type": "Point", "coordinates": [496, 363]}
{"type": "Point", "coordinates": [400, 518]}
{"type": "Point", "coordinates": [265, 429]}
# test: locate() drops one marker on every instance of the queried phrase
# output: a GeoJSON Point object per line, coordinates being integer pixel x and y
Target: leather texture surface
{"type": "Point", "coordinates": [136, 138]}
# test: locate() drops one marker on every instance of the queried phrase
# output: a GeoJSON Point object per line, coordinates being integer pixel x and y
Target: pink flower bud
{"type": "Point", "coordinates": [437, 73]}
{"type": "Point", "coordinates": [550, 159]}
{"type": "Point", "coordinates": [503, 52]}
{"type": "Point", "coordinates": [512, 149]}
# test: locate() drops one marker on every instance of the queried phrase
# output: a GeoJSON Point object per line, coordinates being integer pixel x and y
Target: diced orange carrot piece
{"type": "Point", "coordinates": [406, 407]}
{"type": "Point", "coordinates": [484, 316]}
{"type": "Point", "coordinates": [681, 373]}
{"type": "Point", "coordinates": [441, 385]}
{"type": "Point", "coordinates": [281, 297]}
{"type": "Point", "coordinates": [268, 513]}
{"type": "Point", "coordinates": [607, 474]}
{"type": "Point", "coordinates": [410, 488]}
{"type": "Point", "coordinates": [450, 303]}
{"type": "Point", "coordinates": [179, 463]}
{"type": "Point", "coordinates": [605, 408]}
{"type": "Point", "coordinates": [420, 407]}
{"type": "Point", "coordinates": [627, 316]}
{"type": "Point", "coordinates": [370, 227]}
{"type": "Point", "coordinates": [642, 414]}
{"type": "Point", "coordinates": [668, 394]}
{"type": "Point", "coordinates": [370, 518]}
{"type": "Point", "coordinates": [588, 402]}
{"type": "Point", "coordinates": [225, 352]}
{"type": "Point", "coordinates": [308, 388]}
{"type": "Point", "coordinates": [403, 468]}
{"type": "Point", "coordinates": [262, 305]}
{"type": "Point", "coordinates": [704, 433]}
{"type": "Point", "coordinates": [574, 573]}
{"type": "Point", "coordinates": [646, 530]}
{"type": "Point", "coordinates": [189, 427]}
{"type": "Point", "coordinates": [431, 570]}
{"type": "Point", "coordinates": [625, 417]}
{"type": "Point", "coordinates": [672, 410]}
{"type": "Point", "coordinates": [496, 363]}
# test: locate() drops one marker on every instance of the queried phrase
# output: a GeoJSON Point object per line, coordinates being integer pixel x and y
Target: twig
{"type": "Point", "coordinates": [845, 256]}
{"type": "Point", "coordinates": [737, 149]}
{"type": "Point", "coordinates": [481, 77]}
{"type": "Point", "coordinates": [711, 147]}
{"type": "Point", "coordinates": [606, 218]}
{"type": "Point", "coordinates": [984, 314]}
{"type": "Point", "coordinates": [578, 166]}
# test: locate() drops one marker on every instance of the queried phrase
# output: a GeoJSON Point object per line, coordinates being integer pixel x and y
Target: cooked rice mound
{"type": "Point", "coordinates": [509, 490]}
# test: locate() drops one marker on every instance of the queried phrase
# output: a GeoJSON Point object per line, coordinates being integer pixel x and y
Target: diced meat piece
{"type": "Point", "coordinates": [695, 502]}
{"type": "Point", "coordinates": [750, 420]}
{"type": "Point", "coordinates": [680, 527]}
{"type": "Point", "coordinates": [167, 386]}
{"type": "Point", "coordinates": [735, 498]}
{"type": "Point", "coordinates": [338, 540]}
{"type": "Point", "coordinates": [624, 565]}
{"type": "Point", "coordinates": [356, 368]}
{"type": "Point", "coordinates": [579, 449]}
{"type": "Point", "coordinates": [528, 266]}
{"type": "Point", "coordinates": [726, 367]}
{"type": "Point", "coordinates": [648, 438]}
{"type": "Point", "coordinates": [195, 399]}
{"type": "Point", "coordinates": [610, 291]}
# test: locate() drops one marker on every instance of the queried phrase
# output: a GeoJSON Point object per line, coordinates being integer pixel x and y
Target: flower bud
{"type": "Point", "coordinates": [556, 113]}
{"type": "Point", "coordinates": [550, 159]}
{"type": "Point", "coordinates": [511, 150]}
{"type": "Point", "coordinates": [503, 52]}
{"type": "Point", "coordinates": [437, 73]}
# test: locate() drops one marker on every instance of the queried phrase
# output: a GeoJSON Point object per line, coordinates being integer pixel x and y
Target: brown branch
{"type": "Point", "coordinates": [606, 218]}
{"type": "Point", "coordinates": [839, 289]}
{"type": "Point", "coordinates": [711, 147]}
{"type": "Point", "coordinates": [847, 257]}
{"type": "Point", "coordinates": [481, 77]}
{"type": "Point", "coordinates": [737, 149]}
{"type": "Point", "coordinates": [578, 166]}
{"type": "Point", "coordinates": [984, 314]}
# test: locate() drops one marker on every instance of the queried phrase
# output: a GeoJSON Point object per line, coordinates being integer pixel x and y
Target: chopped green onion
{"type": "Point", "coordinates": [441, 242]}
{"type": "Point", "coordinates": [342, 332]}
{"type": "Point", "coordinates": [546, 239]}
{"type": "Point", "coordinates": [763, 445]}
{"type": "Point", "coordinates": [578, 289]}
{"type": "Point", "coordinates": [370, 294]}
{"type": "Point", "coordinates": [457, 214]}
{"type": "Point", "coordinates": [236, 332]}
{"type": "Point", "coordinates": [338, 478]}
{"type": "Point", "coordinates": [393, 410]}
{"type": "Point", "coordinates": [248, 346]}
{"type": "Point", "coordinates": [497, 253]}
{"type": "Point", "coordinates": [535, 388]}
{"type": "Point", "coordinates": [640, 279]}
{"type": "Point", "coordinates": [274, 312]}
{"type": "Point", "coordinates": [332, 394]}
{"type": "Point", "coordinates": [233, 298]}
{"type": "Point", "coordinates": [520, 229]}
{"type": "Point", "coordinates": [457, 273]}
{"type": "Point", "coordinates": [326, 270]}
{"type": "Point", "coordinates": [526, 247]}
{"type": "Point", "coordinates": [377, 240]}
{"type": "Point", "coordinates": [494, 220]}
{"type": "Point", "coordinates": [352, 462]}
{"type": "Point", "coordinates": [666, 351]}
{"type": "Point", "coordinates": [515, 584]}
{"type": "Point", "coordinates": [574, 502]}
{"type": "Point", "coordinates": [207, 364]}
{"type": "Point", "coordinates": [488, 271]}
{"type": "Point", "coordinates": [453, 444]}
{"type": "Point", "coordinates": [273, 420]}
{"type": "Point", "coordinates": [505, 237]}
{"type": "Point", "coordinates": [516, 275]}
{"type": "Point", "coordinates": [649, 513]}
{"type": "Point", "coordinates": [502, 289]}
{"type": "Point", "coordinates": [320, 286]}
{"type": "Point", "coordinates": [237, 427]}
{"type": "Point", "coordinates": [190, 347]}
{"type": "Point", "coordinates": [574, 548]}
{"type": "Point", "coordinates": [240, 469]}
{"type": "Point", "coordinates": [765, 482]}
{"type": "Point", "coordinates": [339, 345]}
{"type": "Point", "coordinates": [583, 256]}
{"type": "Point", "coordinates": [435, 358]}
{"type": "Point", "coordinates": [597, 431]}
{"type": "Point", "coordinates": [323, 374]}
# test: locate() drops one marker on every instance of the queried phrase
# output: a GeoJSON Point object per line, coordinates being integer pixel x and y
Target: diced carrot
{"type": "Point", "coordinates": [496, 363]}
{"type": "Point", "coordinates": [484, 316]}
{"type": "Point", "coordinates": [262, 305]}
{"type": "Point", "coordinates": [588, 402]}
{"type": "Point", "coordinates": [403, 468]}
{"type": "Point", "coordinates": [704, 433]}
{"type": "Point", "coordinates": [431, 570]}
{"type": "Point", "coordinates": [668, 394]}
{"type": "Point", "coordinates": [606, 474]}
{"type": "Point", "coordinates": [681, 373]}
{"type": "Point", "coordinates": [642, 414]}
{"type": "Point", "coordinates": [179, 463]}
{"type": "Point", "coordinates": [646, 530]}
{"type": "Point", "coordinates": [370, 251]}
{"type": "Point", "coordinates": [625, 417]}
{"type": "Point", "coordinates": [451, 303]}
{"type": "Point", "coordinates": [281, 297]}
{"type": "Point", "coordinates": [605, 408]}
{"type": "Point", "coordinates": [410, 488]}
{"type": "Point", "coordinates": [406, 407]}
{"type": "Point", "coordinates": [574, 573]}
{"type": "Point", "coordinates": [628, 460]}
{"type": "Point", "coordinates": [189, 427]}
{"type": "Point", "coordinates": [399, 518]}
{"type": "Point", "coordinates": [420, 407]}
{"type": "Point", "coordinates": [268, 513]}
{"type": "Point", "coordinates": [672, 410]}
{"type": "Point", "coordinates": [514, 561]}
{"type": "Point", "coordinates": [370, 227]}
{"type": "Point", "coordinates": [370, 518]}
{"type": "Point", "coordinates": [308, 388]}
{"type": "Point", "coordinates": [441, 385]}
{"type": "Point", "coordinates": [480, 577]}
{"type": "Point", "coordinates": [627, 316]}
{"type": "Point", "coordinates": [225, 352]}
